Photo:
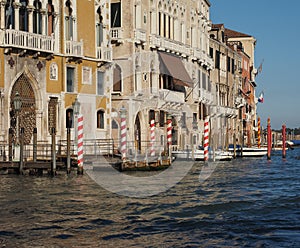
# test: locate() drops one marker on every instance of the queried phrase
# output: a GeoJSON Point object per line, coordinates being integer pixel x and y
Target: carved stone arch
{"type": "Point", "coordinates": [26, 115]}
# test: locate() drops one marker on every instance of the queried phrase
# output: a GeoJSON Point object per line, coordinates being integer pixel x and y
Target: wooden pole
{"type": "Point", "coordinates": [68, 150]}
{"type": "Point", "coordinates": [53, 152]}
{"type": "Point", "coordinates": [34, 144]}
{"type": "Point", "coordinates": [21, 150]}
{"type": "Point", "coordinates": [258, 133]}
{"type": "Point", "coordinates": [10, 148]}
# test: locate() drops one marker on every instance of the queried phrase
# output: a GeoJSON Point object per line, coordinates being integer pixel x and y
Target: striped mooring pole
{"type": "Point", "coordinates": [80, 144]}
{"type": "Point", "coordinates": [258, 133]}
{"type": "Point", "coordinates": [123, 133]}
{"type": "Point", "coordinates": [152, 138]}
{"type": "Point", "coordinates": [206, 138]}
{"type": "Point", "coordinates": [283, 141]}
{"type": "Point", "coordinates": [269, 139]}
{"type": "Point", "coordinates": [169, 134]}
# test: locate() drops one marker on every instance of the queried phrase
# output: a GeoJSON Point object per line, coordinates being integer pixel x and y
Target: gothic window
{"type": "Point", "coordinates": [99, 27]}
{"type": "Point", "coordinates": [9, 15]}
{"type": "Point", "coordinates": [69, 21]}
{"type": "Point", "coordinates": [117, 79]}
{"type": "Point", "coordinates": [23, 15]}
{"type": "Point", "coordinates": [37, 17]}
{"type": "Point", "coordinates": [51, 18]}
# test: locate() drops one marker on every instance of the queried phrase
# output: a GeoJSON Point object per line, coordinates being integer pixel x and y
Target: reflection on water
{"type": "Point", "coordinates": [244, 203]}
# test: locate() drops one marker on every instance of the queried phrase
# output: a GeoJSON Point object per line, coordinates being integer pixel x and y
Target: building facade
{"type": "Point", "coordinates": [161, 70]}
{"type": "Point", "coordinates": [50, 58]}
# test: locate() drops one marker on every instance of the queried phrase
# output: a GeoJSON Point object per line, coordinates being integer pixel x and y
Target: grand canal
{"type": "Point", "coordinates": [243, 203]}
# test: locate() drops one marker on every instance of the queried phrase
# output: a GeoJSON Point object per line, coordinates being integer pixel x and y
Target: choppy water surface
{"type": "Point", "coordinates": [244, 203]}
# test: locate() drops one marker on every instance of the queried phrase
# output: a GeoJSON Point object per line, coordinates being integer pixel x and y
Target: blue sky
{"type": "Point", "coordinates": [276, 27]}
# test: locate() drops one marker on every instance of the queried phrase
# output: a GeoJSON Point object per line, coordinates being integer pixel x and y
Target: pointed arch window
{"type": "Point", "coordinates": [23, 15]}
{"type": "Point", "coordinates": [9, 15]}
{"type": "Point", "coordinates": [99, 27]}
{"type": "Point", "coordinates": [117, 79]}
{"type": "Point", "coordinates": [37, 17]}
{"type": "Point", "coordinates": [51, 17]}
{"type": "Point", "coordinates": [69, 21]}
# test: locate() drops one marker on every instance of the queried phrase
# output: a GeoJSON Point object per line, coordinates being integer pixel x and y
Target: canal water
{"type": "Point", "coordinates": [242, 203]}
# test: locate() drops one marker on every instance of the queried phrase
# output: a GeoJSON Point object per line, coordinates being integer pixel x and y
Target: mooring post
{"type": "Point", "coordinates": [34, 144]}
{"type": "Point", "coordinates": [269, 138]}
{"type": "Point", "coordinates": [68, 150]}
{"type": "Point", "coordinates": [21, 150]}
{"type": "Point", "coordinates": [283, 141]}
{"type": "Point", "coordinates": [234, 145]}
{"type": "Point", "coordinates": [53, 152]}
{"type": "Point", "coordinates": [10, 148]}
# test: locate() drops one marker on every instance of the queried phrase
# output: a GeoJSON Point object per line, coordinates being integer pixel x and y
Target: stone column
{"type": "Point", "coordinates": [44, 27]}
{"type": "Point", "coordinates": [2, 17]}
{"type": "Point", "coordinates": [17, 23]}
{"type": "Point", "coordinates": [30, 18]}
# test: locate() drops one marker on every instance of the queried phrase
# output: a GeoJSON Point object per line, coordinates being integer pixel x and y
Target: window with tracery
{"type": "Point", "coordinates": [69, 21]}
{"type": "Point", "coordinates": [37, 17]}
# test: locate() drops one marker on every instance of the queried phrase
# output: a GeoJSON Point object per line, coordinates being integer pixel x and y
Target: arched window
{"type": "Point", "coordinates": [51, 17]}
{"type": "Point", "coordinates": [37, 17]}
{"type": "Point", "coordinates": [23, 15]}
{"type": "Point", "coordinates": [117, 79]}
{"type": "Point", "coordinates": [99, 27]}
{"type": "Point", "coordinates": [69, 118]}
{"type": "Point", "coordinates": [9, 15]}
{"type": "Point", "coordinates": [100, 119]}
{"type": "Point", "coordinates": [69, 21]}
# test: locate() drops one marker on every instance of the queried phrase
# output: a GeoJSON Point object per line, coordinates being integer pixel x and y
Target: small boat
{"type": "Point", "coordinates": [198, 154]}
{"type": "Point", "coordinates": [249, 151]}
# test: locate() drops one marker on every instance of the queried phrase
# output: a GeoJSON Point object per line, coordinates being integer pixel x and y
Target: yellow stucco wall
{"type": "Point", "coordinates": [55, 86]}
{"type": "Point", "coordinates": [86, 26]}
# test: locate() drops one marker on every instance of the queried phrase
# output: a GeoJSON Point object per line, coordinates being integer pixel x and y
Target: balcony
{"type": "Point", "coordinates": [74, 48]}
{"type": "Point", "coordinates": [116, 35]}
{"type": "Point", "coordinates": [140, 36]}
{"type": "Point", "coordinates": [104, 53]}
{"type": "Point", "coordinates": [27, 41]}
{"type": "Point", "coordinates": [168, 45]}
{"type": "Point", "coordinates": [172, 96]}
{"type": "Point", "coordinates": [206, 96]}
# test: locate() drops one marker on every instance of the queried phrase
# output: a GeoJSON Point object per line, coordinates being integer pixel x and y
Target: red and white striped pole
{"type": "Point", "coordinates": [283, 141]}
{"type": "Point", "coordinates": [206, 138]}
{"type": "Point", "coordinates": [152, 137]}
{"type": "Point", "coordinates": [169, 133]}
{"type": "Point", "coordinates": [269, 139]}
{"type": "Point", "coordinates": [123, 133]}
{"type": "Point", "coordinates": [80, 144]}
{"type": "Point", "coordinates": [258, 133]}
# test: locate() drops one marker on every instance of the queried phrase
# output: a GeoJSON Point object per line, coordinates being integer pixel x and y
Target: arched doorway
{"type": "Point", "coordinates": [137, 133]}
{"type": "Point", "coordinates": [27, 113]}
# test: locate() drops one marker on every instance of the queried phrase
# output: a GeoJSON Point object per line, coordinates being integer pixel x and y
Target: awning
{"type": "Point", "coordinates": [173, 66]}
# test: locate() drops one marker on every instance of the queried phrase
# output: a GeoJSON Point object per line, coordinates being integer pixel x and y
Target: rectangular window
{"type": "Point", "coordinates": [228, 64]}
{"type": "Point", "coordinates": [115, 13]}
{"type": "Point", "coordinates": [161, 118]}
{"type": "Point", "coordinates": [217, 61]}
{"type": "Point", "coordinates": [204, 85]}
{"type": "Point", "coordinates": [70, 79]}
{"type": "Point", "coordinates": [100, 119]}
{"type": "Point", "coordinates": [99, 30]}
{"type": "Point", "coordinates": [100, 83]}
{"type": "Point", "coordinates": [211, 52]}
{"type": "Point", "coordinates": [232, 66]}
